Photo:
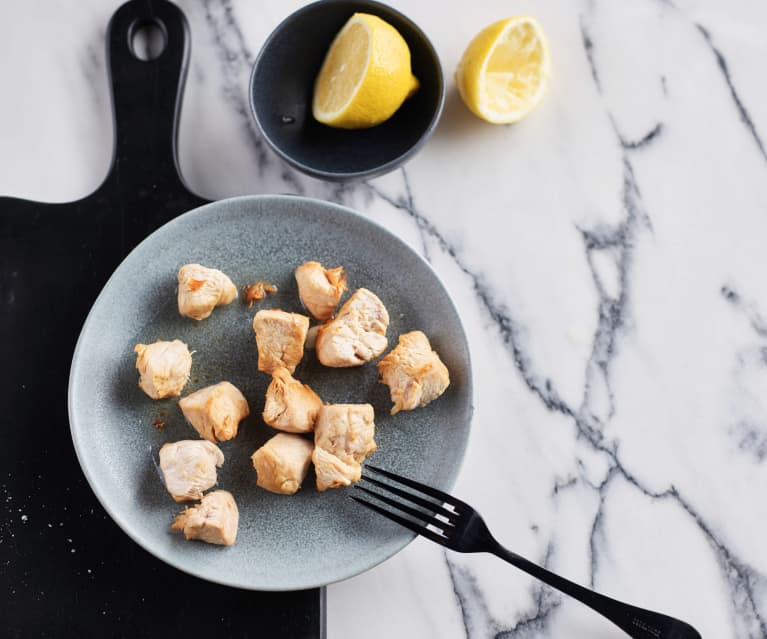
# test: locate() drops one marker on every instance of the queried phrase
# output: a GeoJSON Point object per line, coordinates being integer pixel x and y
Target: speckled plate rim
{"type": "Point", "coordinates": [80, 445]}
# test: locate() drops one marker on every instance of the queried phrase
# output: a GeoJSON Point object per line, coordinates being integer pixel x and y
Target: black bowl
{"type": "Point", "coordinates": [282, 86]}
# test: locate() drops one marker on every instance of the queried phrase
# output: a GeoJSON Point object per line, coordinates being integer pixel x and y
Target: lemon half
{"type": "Point", "coordinates": [365, 77]}
{"type": "Point", "coordinates": [505, 70]}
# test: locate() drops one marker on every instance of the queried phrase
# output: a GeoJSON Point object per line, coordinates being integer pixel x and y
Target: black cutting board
{"type": "Point", "coordinates": [66, 570]}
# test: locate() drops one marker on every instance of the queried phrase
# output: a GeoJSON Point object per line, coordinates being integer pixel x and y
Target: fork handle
{"type": "Point", "coordinates": [636, 622]}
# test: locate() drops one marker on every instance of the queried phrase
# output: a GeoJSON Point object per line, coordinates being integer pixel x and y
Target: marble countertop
{"type": "Point", "coordinates": [606, 255]}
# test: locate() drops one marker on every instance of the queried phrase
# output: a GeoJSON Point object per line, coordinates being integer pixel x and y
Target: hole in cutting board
{"type": "Point", "coordinates": [147, 39]}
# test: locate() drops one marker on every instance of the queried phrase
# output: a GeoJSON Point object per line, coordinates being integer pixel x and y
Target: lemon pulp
{"type": "Point", "coordinates": [366, 75]}
{"type": "Point", "coordinates": [504, 71]}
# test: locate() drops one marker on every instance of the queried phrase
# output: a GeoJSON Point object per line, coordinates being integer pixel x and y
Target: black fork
{"type": "Point", "coordinates": [456, 525]}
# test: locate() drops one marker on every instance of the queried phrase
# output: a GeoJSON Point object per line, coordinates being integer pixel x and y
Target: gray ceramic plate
{"type": "Point", "coordinates": [284, 543]}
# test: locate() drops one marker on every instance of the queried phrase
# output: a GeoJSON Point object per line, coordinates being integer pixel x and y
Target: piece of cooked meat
{"type": "Point", "coordinates": [311, 337]}
{"type": "Point", "coordinates": [215, 411]}
{"type": "Point", "coordinates": [163, 368]}
{"type": "Point", "coordinates": [331, 472]}
{"type": "Point", "coordinates": [280, 338]}
{"type": "Point", "coordinates": [413, 372]}
{"type": "Point", "coordinates": [344, 432]}
{"type": "Point", "coordinates": [357, 334]}
{"type": "Point", "coordinates": [189, 467]}
{"type": "Point", "coordinates": [201, 289]}
{"type": "Point", "coordinates": [282, 463]}
{"type": "Point", "coordinates": [290, 405]}
{"type": "Point", "coordinates": [320, 289]}
{"type": "Point", "coordinates": [257, 291]}
{"type": "Point", "coordinates": [214, 520]}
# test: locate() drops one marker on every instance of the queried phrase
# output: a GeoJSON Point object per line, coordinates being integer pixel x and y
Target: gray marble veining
{"type": "Point", "coordinates": [606, 255]}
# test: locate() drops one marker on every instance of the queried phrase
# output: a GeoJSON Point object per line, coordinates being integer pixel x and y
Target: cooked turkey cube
{"type": "Point", "coordinates": [282, 463]}
{"type": "Point", "coordinates": [413, 372]}
{"type": "Point", "coordinates": [357, 334]}
{"type": "Point", "coordinates": [331, 472]}
{"type": "Point", "coordinates": [290, 405]}
{"type": "Point", "coordinates": [343, 431]}
{"type": "Point", "coordinates": [214, 520]}
{"type": "Point", "coordinates": [346, 431]}
{"type": "Point", "coordinates": [280, 338]}
{"type": "Point", "coordinates": [311, 337]}
{"type": "Point", "coordinates": [163, 368]}
{"type": "Point", "coordinates": [189, 468]}
{"type": "Point", "coordinates": [201, 289]}
{"type": "Point", "coordinates": [215, 411]}
{"type": "Point", "coordinates": [320, 289]}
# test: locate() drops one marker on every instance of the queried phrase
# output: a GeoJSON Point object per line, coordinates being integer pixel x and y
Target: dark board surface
{"type": "Point", "coordinates": [66, 570]}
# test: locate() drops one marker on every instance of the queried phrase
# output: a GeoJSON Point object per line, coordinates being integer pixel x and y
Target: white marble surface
{"type": "Point", "coordinates": [606, 254]}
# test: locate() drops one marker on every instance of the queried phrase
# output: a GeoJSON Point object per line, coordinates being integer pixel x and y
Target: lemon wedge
{"type": "Point", "coordinates": [505, 70]}
{"type": "Point", "coordinates": [365, 76]}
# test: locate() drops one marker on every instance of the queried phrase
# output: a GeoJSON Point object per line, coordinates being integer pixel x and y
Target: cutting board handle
{"type": "Point", "coordinates": [147, 93]}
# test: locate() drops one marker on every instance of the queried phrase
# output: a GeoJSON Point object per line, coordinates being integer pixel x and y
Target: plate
{"type": "Point", "coordinates": [284, 542]}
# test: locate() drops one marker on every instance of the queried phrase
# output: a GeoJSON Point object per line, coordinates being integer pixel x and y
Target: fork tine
{"type": "Point", "coordinates": [425, 503]}
{"type": "Point", "coordinates": [402, 521]}
{"type": "Point", "coordinates": [425, 518]}
{"type": "Point", "coordinates": [432, 492]}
